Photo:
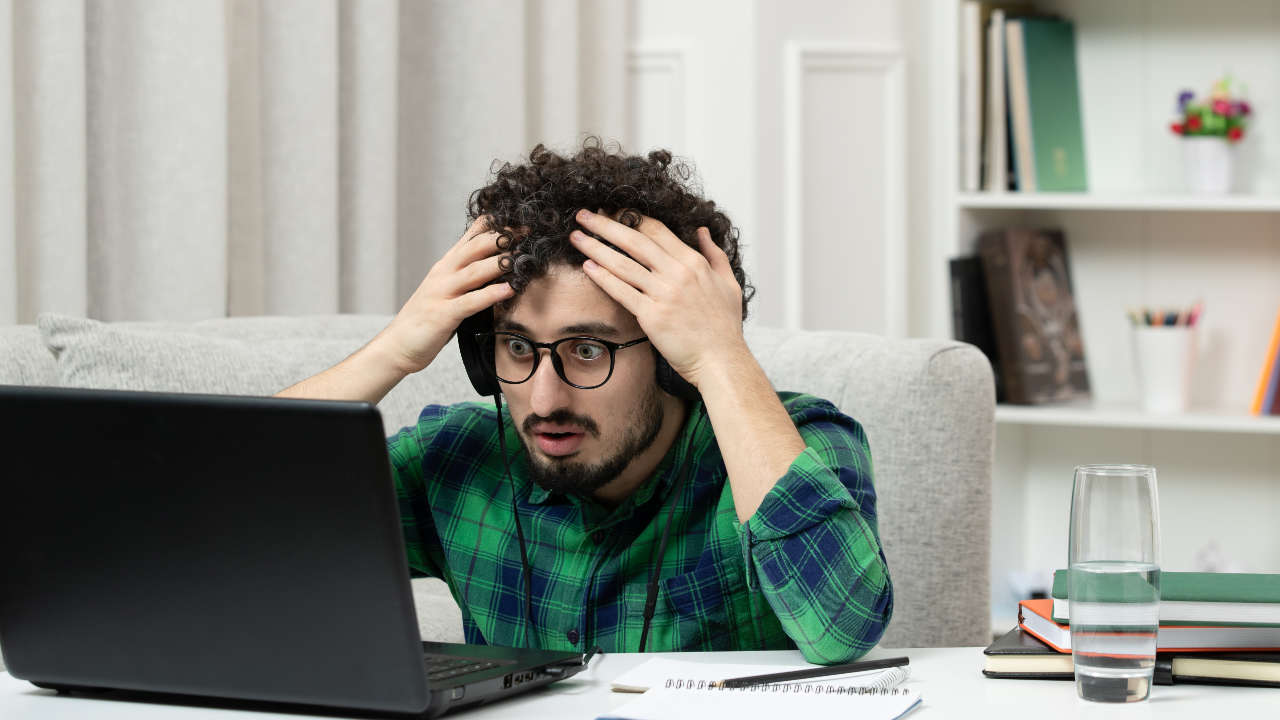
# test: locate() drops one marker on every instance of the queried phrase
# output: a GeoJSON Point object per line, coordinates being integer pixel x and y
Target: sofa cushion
{"type": "Point", "coordinates": [24, 360]}
{"type": "Point", "coordinates": [236, 356]}
{"type": "Point", "coordinates": [439, 617]}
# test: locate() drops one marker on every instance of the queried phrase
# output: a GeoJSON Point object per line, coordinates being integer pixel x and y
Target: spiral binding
{"type": "Point", "coordinates": [885, 684]}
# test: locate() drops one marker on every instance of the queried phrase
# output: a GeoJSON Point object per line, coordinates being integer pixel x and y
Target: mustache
{"type": "Point", "coordinates": [562, 417]}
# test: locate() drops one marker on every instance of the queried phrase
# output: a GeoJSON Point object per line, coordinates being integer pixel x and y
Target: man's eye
{"type": "Point", "coordinates": [588, 351]}
{"type": "Point", "coordinates": [518, 348]}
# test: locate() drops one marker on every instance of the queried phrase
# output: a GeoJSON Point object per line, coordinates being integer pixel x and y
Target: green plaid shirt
{"type": "Point", "coordinates": [805, 571]}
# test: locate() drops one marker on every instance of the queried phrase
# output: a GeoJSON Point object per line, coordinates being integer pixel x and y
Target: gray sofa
{"type": "Point", "coordinates": [927, 407]}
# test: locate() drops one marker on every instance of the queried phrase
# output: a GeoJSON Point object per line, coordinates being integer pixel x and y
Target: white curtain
{"type": "Point", "coordinates": [194, 159]}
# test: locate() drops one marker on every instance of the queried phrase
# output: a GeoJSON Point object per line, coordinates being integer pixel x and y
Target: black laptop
{"type": "Point", "coordinates": [221, 547]}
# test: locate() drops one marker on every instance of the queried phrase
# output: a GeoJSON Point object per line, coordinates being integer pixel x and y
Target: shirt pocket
{"type": "Point", "coordinates": [701, 606]}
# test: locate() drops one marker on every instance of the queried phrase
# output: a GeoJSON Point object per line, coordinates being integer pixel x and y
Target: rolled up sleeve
{"type": "Point", "coordinates": [813, 547]}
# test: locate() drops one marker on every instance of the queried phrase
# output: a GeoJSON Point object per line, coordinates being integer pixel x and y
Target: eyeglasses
{"type": "Point", "coordinates": [581, 361]}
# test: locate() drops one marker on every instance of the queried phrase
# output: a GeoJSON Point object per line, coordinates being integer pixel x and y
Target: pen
{"type": "Point", "coordinates": [813, 672]}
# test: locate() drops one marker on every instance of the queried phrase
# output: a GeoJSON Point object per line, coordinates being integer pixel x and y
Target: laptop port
{"type": "Point", "coordinates": [528, 675]}
{"type": "Point", "coordinates": [506, 681]}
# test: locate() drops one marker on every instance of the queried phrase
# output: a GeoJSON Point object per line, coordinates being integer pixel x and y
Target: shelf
{"type": "Point", "coordinates": [1118, 201]}
{"type": "Point", "coordinates": [1219, 421]}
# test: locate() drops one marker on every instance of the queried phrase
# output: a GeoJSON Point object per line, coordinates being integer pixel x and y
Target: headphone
{"type": "Point", "coordinates": [480, 371]}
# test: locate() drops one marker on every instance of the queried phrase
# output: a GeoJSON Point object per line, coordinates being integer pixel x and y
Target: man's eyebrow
{"type": "Point", "coordinates": [511, 325]}
{"type": "Point", "coordinates": [590, 328]}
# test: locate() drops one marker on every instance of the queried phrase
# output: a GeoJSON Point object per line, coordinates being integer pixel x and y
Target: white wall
{"type": "Point", "coordinates": [796, 115]}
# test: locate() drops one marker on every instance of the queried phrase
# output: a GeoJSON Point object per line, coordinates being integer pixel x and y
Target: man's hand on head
{"type": "Point", "coordinates": [460, 284]}
{"type": "Point", "coordinates": [687, 301]}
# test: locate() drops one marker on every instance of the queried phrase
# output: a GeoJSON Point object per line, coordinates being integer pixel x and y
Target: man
{"type": "Point", "coordinates": [631, 517]}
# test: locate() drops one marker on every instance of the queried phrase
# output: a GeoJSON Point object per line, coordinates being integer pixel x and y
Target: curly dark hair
{"type": "Point", "coordinates": [532, 206]}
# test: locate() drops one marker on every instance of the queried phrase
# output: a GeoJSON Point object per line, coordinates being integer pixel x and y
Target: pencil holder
{"type": "Point", "coordinates": [1164, 358]}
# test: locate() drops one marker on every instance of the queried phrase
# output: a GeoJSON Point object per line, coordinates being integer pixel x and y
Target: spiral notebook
{"type": "Point", "coordinates": [677, 689]}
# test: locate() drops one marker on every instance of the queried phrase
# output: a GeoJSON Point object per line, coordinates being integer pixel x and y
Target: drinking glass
{"type": "Point", "coordinates": [1114, 581]}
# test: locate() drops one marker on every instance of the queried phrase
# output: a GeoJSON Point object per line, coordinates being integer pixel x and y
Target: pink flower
{"type": "Point", "coordinates": [1222, 107]}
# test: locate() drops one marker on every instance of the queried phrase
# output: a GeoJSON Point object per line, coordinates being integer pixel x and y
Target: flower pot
{"type": "Point", "coordinates": [1207, 161]}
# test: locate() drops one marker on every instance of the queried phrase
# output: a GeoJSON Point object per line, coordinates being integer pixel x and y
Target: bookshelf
{"type": "Point", "coordinates": [1127, 417]}
{"type": "Point", "coordinates": [1138, 238]}
{"type": "Point", "coordinates": [1117, 201]}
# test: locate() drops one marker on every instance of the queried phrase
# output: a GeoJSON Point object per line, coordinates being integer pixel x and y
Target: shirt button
{"type": "Point", "coordinates": [597, 537]}
{"type": "Point", "coordinates": [572, 637]}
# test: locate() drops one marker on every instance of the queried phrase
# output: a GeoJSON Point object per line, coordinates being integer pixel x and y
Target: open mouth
{"type": "Point", "coordinates": [559, 443]}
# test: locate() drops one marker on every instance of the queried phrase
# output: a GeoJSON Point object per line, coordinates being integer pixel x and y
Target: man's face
{"type": "Point", "coordinates": [578, 440]}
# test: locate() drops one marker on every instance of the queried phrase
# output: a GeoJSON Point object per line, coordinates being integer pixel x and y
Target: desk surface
{"type": "Point", "coordinates": [950, 681]}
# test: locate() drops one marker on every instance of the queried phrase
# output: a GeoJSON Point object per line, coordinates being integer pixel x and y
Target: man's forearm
{"type": "Point", "coordinates": [757, 438]}
{"type": "Point", "coordinates": [367, 375]}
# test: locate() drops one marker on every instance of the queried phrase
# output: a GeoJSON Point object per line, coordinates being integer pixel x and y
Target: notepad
{"type": "Point", "coordinates": [769, 702]}
{"type": "Point", "coordinates": [679, 689]}
{"type": "Point", "coordinates": [659, 672]}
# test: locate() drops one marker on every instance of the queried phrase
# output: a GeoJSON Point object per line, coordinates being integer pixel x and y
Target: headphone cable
{"type": "Point", "coordinates": [526, 569]}
{"type": "Point", "coordinates": [651, 594]}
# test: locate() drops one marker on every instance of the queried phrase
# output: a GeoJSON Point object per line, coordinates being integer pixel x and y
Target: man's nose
{"type": "Point", "coordinates": [550, 393]}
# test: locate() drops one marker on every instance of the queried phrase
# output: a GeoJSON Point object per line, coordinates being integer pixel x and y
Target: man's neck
{"type": "Point", "coordinates": [642, 466]}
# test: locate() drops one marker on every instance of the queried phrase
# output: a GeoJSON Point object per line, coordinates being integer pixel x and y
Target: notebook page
{"type": "Point", "coordinates": [656, 672]}
{"type": "Point", "coordinates": [653, 673]}
{"type": "Point", "coordinates": [767, 703]}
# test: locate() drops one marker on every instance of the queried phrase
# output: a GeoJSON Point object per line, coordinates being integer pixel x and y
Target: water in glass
{"type": "Point", "coordinates": [1115, 611]}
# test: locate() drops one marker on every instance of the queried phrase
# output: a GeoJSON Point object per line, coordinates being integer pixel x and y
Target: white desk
{"type": "Point", "coordinates": [949, 679]}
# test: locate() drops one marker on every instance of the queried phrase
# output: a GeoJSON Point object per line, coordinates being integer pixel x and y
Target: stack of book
{"type": "Point", "coordinates": [1266, 399]}
{"type": "Point", "coordinates": [1218, 628]}
{"type": "Point", "coordinates": [1021, 127]}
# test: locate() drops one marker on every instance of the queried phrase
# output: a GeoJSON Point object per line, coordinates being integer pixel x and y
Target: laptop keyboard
{"type": "Point", "coordinates": [440, 667]}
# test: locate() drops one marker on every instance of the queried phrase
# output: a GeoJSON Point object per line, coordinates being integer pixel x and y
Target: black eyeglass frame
{"type": "Point", "coordinates": [556, 362]}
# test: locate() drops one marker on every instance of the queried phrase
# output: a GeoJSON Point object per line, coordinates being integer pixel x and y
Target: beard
{"type": "Point", "coordinates": [564, 475]}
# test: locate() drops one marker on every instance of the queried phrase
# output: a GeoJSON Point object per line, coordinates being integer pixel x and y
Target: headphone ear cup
{"type": "Point", "coordinates": [479, 371]}
{"type": "Point", "coordinates": [671, 382]}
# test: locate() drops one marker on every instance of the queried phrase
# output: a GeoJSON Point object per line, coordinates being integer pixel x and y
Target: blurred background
{"type": "Point", "coordinates": [193, 159]}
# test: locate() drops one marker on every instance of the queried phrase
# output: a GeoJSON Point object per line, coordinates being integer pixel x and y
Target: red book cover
{"type": "Point", "coordinates": [1036, 618]}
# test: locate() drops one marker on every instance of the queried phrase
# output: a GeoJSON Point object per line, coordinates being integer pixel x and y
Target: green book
{"type": "Point", "coordinates": [1044, 108]}
{"type": "Point", "coordinates": [1197, 598]}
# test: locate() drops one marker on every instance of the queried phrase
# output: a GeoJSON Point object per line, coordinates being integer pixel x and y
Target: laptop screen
{"type": "Point", "coordinates": [211, 545]}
